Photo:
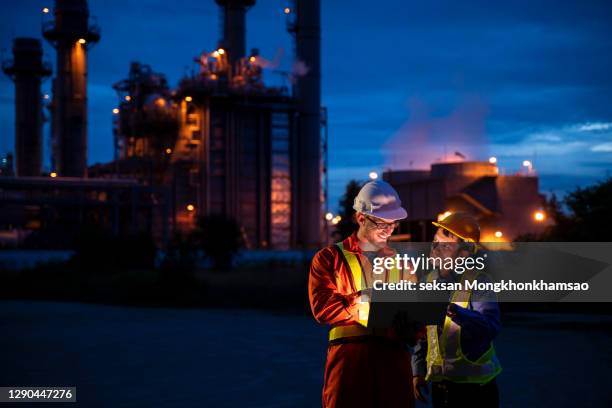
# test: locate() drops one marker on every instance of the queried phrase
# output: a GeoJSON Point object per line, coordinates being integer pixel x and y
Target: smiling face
{"type": "Point", "coordinates": [375, 231]}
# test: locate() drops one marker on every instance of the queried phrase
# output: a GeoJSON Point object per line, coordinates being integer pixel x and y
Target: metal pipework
{"type": "Point", "coordinates": [27, 70]}
{"type": "Point", "coordinates": [234, 28]}
{"type": "Point", "coordinates": [71, 34]}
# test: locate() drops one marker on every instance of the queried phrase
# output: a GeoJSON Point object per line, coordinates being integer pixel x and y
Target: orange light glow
{"type": "Point", "coordinates": [190, 207]}
{"type": "Point", "coordinates": [252, 59]}
{"type": "Point", "coordinates": [221, 51]}
{"type": "Point", "coordinates": [116, 111]}
{"type": "Point", "coordinates": [287, 10]}
{"type": "Point", "coordinates": [82, 41]}
{"type": "Point", "coordinates": [53, 174]}
{"type": "Point", "coordinates": [45, 10]}
{"type": "Point", "coordinates": [46, 96]}
{"type": "Point", "coordinates": [498, 234]}
{"type": "Point", "coordinates": [443, 215]}
{"type": "Point", "coordinates": [168, 150]}
{"type": "Point", "coordinates": [539, 216]}
{"type": "Point", "coordinates": [188, 99]}
{"type": "Point", "coordinates": [215, 54]}
{"type": "Point", "coordinates": [128, 98]}
{"type": "Point", "coordinates": [160, 102]}
{"type": "Point", "coordinates": [329, 216]}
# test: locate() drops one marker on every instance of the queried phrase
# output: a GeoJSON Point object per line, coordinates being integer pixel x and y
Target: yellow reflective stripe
{"type": "Point", "coordinates": [394, 275]}
{"type": "Point", "coordinates": [354, 266]}
{"type": "Point", "coordinates": [348, 331]}
{"type": "Point", "coordinates": [358, 280]}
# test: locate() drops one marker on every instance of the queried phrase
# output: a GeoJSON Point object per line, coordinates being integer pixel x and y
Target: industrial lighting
{"type": "Point", "coordinates": [215, 54]}
{"type": "Point", "coordinates": [539, 216]}
{"type": "Point", "coordinates": [45, 10]}
{"type": "Point", "coordinates": [168, 150]}
{"type": "Point", "coordinates": [498, 234]}
{"type": "Point", "coordinates": [188, 99]}
{"type": "Point", "coordinates": [287, 10]}
{"type": "Point", "coordinates": [221, 51]}
{"type": "Point", "coordinates": [373, 175]}
{"type": "Point", "coordinates": [329, 216]}
{"type": "Point", "coordinates": [492, 159]}
{"type": "Point", "coordinates": [53, 174]}
{"type": "Point", "coordinates": [252, 59]}
{"type": "Point", "coordinates": [82, 41]}
{"type": "Point", "coordinates": [116, 111]}
{"type": "Point", "coordinates": [190, 207]}
{"type": "Point", "coordinates": [128, 98]}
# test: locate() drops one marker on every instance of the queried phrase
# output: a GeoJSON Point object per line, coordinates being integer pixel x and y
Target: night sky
{"type": "Point", "coordinates": [405, 83]}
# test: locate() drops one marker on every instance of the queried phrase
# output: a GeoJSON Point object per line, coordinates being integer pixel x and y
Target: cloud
{"type": "Point", "coordinates": [604, 147]}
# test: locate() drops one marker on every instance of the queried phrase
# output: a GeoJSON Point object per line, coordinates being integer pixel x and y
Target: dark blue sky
{"type": "Point", "coordinates": [404, 81]}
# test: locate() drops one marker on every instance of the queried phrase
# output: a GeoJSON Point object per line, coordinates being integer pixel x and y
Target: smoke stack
{"type": "Point", "coordinates": [71, 34]}
{"type": "Point", "coordinates": [307, 31]}
{"type": "Point", "coordinates": [234, 28]}
{"type": "Point", "coordinates": [27, 69]}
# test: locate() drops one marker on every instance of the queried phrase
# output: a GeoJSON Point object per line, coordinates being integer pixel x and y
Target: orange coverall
{"type": "Point", "coordinates": [365, 371]}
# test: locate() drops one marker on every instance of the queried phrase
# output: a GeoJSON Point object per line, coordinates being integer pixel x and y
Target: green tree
{"type": "Point", "coordinates": [347, 224]}
{"type": "Point", "coordinates": [587, 216]}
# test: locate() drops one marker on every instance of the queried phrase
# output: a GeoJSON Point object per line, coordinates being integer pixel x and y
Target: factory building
{"type": "Point", "coordinates": [51, 211]}
{"type": "Point", "coordinates": [225, 142]}
{"type": "Point", "coordinates": [507, 206]}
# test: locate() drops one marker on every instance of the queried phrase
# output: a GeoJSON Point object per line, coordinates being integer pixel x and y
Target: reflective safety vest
{"type": "Point", "coordinates": [361, 329]}
{"type": "Point", "coordinates": [445, 359]}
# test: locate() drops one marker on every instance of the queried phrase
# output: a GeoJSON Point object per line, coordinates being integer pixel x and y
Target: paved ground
{"type": "Point", "coordinates": [139, 357]}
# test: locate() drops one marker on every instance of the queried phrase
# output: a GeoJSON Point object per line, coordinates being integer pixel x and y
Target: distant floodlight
{"type": "Point", "coordinates": [168, 150]}
{"type": "Point", "coordinates": [373, 175]}
{"type": "Point", "coordinates": [116, 111]}
{"type": "Point", "coordinates": [498, 234]}
{"type": "Point", "coordinates": [82, 41]}
{"type": "Point", "coordinates": [539, 216]}
{"type": "Point", "coordinates": [221, 51]}
{"type": "Point", "coordinates": [45, 10]}
{"type": "Point", "coordinates": [527, 163]}
{"type": "Point", "coordinates": [128, 98]}
{"type": "Point", "coordinates": [492, 159]}
{"type": "Point", "coordinates": [188, 99]}
{"type": "Point", "coordinates": [190, 207]}
{"type": "Point", "coordinates": [53, 174]}
{"type": "Point", "coordinates": [287, 10]}
{"type": "Point", "coordinates": [329, 216]}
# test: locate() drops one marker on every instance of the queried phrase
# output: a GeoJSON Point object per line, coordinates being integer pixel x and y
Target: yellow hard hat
{"type": "Point", "coordinates": [462, 225]}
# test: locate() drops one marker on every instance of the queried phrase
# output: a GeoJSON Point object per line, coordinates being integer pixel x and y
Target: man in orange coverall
{"type": "Point", "coordinates": [365, 367]}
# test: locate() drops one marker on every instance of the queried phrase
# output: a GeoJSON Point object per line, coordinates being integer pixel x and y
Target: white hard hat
{"type": "Point", "coordinates": [379, 199]}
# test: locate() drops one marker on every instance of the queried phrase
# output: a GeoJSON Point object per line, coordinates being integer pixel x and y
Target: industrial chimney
{"type": "Point", "coordinates": [234, 28]}
{"type": "Point", "coordinates": [26, 70]}
{"type": "Point", "coordinates": [307, 91]}
{"type": "Point", "coordinates": [71, 34]}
